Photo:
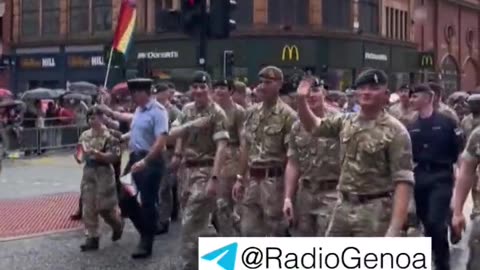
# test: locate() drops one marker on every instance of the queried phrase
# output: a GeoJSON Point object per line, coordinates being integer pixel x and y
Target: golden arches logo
{"type": "Point", "coordinates": [292, 53]}
{"type": "Point", "coordinates": [427, 60]}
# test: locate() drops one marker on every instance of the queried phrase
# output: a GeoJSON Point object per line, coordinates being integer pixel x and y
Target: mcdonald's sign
{"type": "Point", "coordinates": [427, 60]}
{"type": "Point", "coordinates": [290, 52]}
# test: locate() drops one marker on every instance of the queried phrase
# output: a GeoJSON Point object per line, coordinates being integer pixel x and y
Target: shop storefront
{"type": "Point", "coordinates": [87, 66]}
{"type": "Point", "coordinates": [37, 69]}
{"type": "Point", "coordinates": [335, 60]}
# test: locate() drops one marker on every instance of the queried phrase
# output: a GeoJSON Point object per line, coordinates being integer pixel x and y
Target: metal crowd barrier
{"type": "Point", "coordinates": [39, 140]}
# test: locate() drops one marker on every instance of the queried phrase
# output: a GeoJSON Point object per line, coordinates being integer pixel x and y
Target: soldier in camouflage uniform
{"type": "Point", "coordinates": [167, 193]}
{"type": "Point", "coordinates": [98, 187]}
{"type": "Point", "coordinates": [469, 123]}
{"type": "Point", "coordinates": [314, 166]}
{"type": "Point", "coordinates": [402, 110]}
{"type": "Point", "coordinates": [264, 144]}
{"type": "Point", "coordinates": [202, 150]}
{"type": "Point", "coordinates": [466, 179]}
{"type": "Point", "coordinates": [376, 155]}
{"type": "Point", "coordinates": [225, 216]}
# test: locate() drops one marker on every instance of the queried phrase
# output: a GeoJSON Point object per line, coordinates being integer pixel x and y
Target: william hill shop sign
{"type": "Point", "coordinates": [37, 63]}
{"type": "Point", "coordinates": [79, 61]}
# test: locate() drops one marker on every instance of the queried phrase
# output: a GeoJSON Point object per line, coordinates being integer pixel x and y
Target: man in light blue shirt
{"type": "Point", "coordinates": [148, 136]}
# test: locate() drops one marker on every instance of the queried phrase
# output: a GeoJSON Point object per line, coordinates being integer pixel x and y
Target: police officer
{"type": "Point", "coordinates": [148, 136]}
{"type": "Point", "coordinates": [436, 144]}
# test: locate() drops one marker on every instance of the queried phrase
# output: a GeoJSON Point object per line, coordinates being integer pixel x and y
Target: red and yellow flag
{"type": "Point", "coordinates": [125, 26]}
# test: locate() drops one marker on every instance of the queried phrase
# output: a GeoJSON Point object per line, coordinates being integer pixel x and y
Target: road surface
{"type": "Point", "coordinates": [59, 173]}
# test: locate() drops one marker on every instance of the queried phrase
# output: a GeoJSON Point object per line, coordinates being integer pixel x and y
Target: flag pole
{"type": "Point", "coordinates": [108, 68]}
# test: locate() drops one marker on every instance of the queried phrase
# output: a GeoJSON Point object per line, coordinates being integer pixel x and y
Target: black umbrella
{"type": "Point", "coordinates": [84, 88]}
{"type": "Point", "coordinates": [77, 96]}
{"type": "Point", "coordinates": [42, 93]}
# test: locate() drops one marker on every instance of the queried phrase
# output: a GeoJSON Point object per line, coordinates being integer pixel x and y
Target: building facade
{"type": "Point", "coordinates": [447, 35]}
{"type": "Point", "coordinates": [56, 41]}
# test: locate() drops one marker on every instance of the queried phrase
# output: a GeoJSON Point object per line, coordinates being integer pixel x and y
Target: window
{"type": "Point", "coordinates": [30, 18]}
{"type": "Point", "coordinates": [396, 23]}
{"type": "Point", "coordinates": [336, 14]}
{"type": "Point", "coordinates": [164, 19]}
{"type": "Point", "coordinates": [243, 15]}
{"type": "Point", "coordinates": [368, 16]}
{"type": "Point", "coordinates": [50, 17]}
{"type": "Point", "coordinates": [275, 14]}
{"type": "Point", "coordinates": [102, 15]}
{"type": "Point", "coordinates": [79, 16]}
{"type": "Point", "coordinates": [301, 12]}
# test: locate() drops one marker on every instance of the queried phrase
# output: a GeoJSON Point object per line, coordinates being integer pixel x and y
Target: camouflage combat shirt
{"type": "Point", "coordinates": [200, 143]}
{"type": "Point", "coordinates": [266, 132]}
{"type": "Point", "coordinates": [318, 158]}
{"type": "Point", "coordinates": [374, 153]}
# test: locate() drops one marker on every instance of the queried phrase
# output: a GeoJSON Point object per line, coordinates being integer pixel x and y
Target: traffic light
{"type": "Point", "coordinates": [228, 64]}
{"type": "Point", "coordinates": [221, 22]}
{"type": "Point", "coordinates": [191, 15]}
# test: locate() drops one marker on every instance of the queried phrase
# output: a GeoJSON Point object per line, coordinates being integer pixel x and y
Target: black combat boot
{"type": "Point", "coordinates": [118, 232]}
{"type": "Point", "coordinates": [162, 228]}
{"type": "Point", "coordinates": [144, 248]}
{"type": "Point", "coordinates": [91, 244]}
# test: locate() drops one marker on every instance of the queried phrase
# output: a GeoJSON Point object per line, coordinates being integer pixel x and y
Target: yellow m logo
{"type": "Point", "coordinates": [290, 53]}
{"type": "Point", "coordinates": [427, 61]}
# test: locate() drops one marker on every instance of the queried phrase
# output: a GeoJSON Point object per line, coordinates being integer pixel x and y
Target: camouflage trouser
{"type": "Point", "coordinates": [196, 216]}
{"type": "Point", "coordinates": [99, 198]}
{"type": "Point", "coordinates": [474, 245]}
{"type": "Point", "coordinates": [165, 199]}
{"type": "Point", "coordinates": [360, 219]}
{"type": "Point", "coordinates": [224, 214]}
{"type": "Point", "coordinates": [261, 208]}
{"type": "Point", "coordinates": [313, 208]}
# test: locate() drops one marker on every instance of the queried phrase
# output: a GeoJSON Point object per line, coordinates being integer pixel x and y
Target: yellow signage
{"type": "Point", "coordinates": [290, 52]}
{"type": "Point", "coordinates": [30, 63]}
{"type": "Point", "coordinates": [426, 60]}
{"type": "Point", "coordinates": [78, 62]}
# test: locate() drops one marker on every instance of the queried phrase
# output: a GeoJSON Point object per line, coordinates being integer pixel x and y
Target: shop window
{"type": "Point", "coordinates": [79, 16]}
{"type": "Point", "coordinates": [368, 16]}
{"type": "Point", "coordinates": [50, 17]}
{"type": "Point", "coordinates": [243, 15]}
{"type": "Point", "coordinates": [336, 14]}
{"type": "Point", "coordinates": [102, 15]}
{"type": "Point", "coordinates": [30, 18]}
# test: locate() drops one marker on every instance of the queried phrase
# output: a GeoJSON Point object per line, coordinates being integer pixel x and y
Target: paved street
{"type": "Point", "coordinates": [59, 173]}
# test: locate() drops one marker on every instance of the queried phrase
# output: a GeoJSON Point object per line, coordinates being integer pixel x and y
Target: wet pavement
{"type": "Point", "coordinates": [59, 173]}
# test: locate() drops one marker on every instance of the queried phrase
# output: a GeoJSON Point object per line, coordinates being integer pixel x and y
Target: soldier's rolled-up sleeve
{"type": "Point", "coordinates": [220, 131]}
{"type": "Point", "coordinates": [289, 121]}
{"type": "Point", "coordinates": [401, 157]}
{"type": "Point", "coordinates": [329, 126]}
{"type": "Point", "coordinates": [471, 151]}
{"type": "Point", "coordinates": [292, 152]}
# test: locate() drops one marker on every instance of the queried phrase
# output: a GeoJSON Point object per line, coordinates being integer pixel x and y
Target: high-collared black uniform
{"type": "Point", "coordinates": [436, 144]}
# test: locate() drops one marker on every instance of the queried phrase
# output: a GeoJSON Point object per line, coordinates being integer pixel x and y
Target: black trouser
{"type": "Point", "coordinates": [148, 184]}
{"type": "Point", "coordinates": [433, 193]}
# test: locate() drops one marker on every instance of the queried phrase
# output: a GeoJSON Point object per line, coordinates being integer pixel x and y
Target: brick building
{"type": "Point", "coordinates": [55, 41]}
{"type": "Point", "coordinates": [448, 32]}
